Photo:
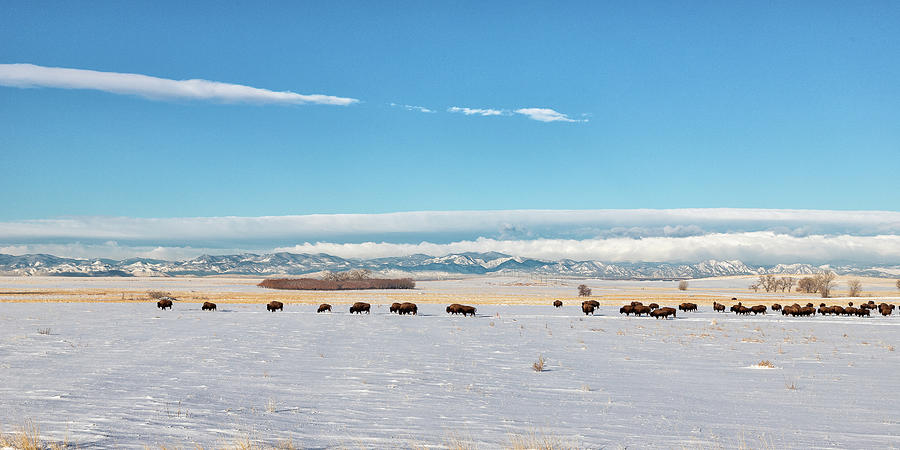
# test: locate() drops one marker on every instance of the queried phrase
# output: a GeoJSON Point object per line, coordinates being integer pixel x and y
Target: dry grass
{"type": "Point", "coordinates": [43, 331]}
{"type": "Point", "coordinates": [766, 363]}
{"type": "Point", "coordinates": [538, 366]}
{"type": "Point", "coordinates": [28, 437]}
{"type": "Point", "coordinates": [534, 441]}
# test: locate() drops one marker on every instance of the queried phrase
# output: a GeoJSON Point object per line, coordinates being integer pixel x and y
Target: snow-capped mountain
{"type": "Point", "coordinates": [423, 265]}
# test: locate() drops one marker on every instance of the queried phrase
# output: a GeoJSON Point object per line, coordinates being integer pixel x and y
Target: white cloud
{"type": "Point", "coordinates": [29, 75]}
{"type": "Point", "coordinates": [546, 115]}
{"type": "Point", "coordinates": [572, 224]}
{"type": "Point", "coordinates": [413, 108]}
{"type": "Point", "coordinates": [477, 111]}
{"type": "Point", "coordinates": [754, 248]}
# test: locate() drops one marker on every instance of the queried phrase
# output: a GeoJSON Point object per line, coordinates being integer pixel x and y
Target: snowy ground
{"type": "Point", "coordinates": [127, 375]}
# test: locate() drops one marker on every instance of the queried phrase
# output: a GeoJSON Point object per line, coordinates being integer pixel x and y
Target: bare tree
{"type": "Point", "coordinates": [584, 291]}
{"type": "Point", "coordinates": [855, 287]}
{"type": "Point", "coordinates": [824, 283]}
{"type": "Point", "coordinates": [787, 283]}
{"type": "Point", "coordinates": [898, 284]}
{"type": "Point", "coordinates": [807, 284]}
{"type": "Point", "coordinates": [755, 286]}
{"type": "Point", "coordinates": [682, 285]}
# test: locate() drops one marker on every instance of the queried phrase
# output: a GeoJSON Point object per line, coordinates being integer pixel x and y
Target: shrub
{"type": "Point", "coordinates": [156, 295]}
{"type": "Point", "coordinates": [855, 287]}
{"type": "Point", "coordinates": [682, 285]}
{"type": "Point", "coordinates": [584, 291]}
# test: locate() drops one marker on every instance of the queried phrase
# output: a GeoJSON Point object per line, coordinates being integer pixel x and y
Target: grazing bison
{"type": "Point", "coordinates": [718, 307]}
{"type": "Point", "coordinates": [641, 309]}
{"type": "Point", "coordinates": [653, 306]}
{"type": "Point", "coordinates": [687, 307]}
{"type": "Point", "coordinates": [588, 308]}
{"type": "Point", "coordinates": [208, 306]}
{"type": "Point", "coordinates": [758, 309]}
{"type": "Point", "coordinates": [394, 307]}
{"type": "Point", "coordinates": [164, 303]}
{"type": "Point", "coordinates": [776, 307]}
{"type": "Point", "coordinates": [408, 308]}
{"type": "Point", "coordinates": [663, 313]}
{"type": "Point", "coordinates": [275, 306]}
{"type": "Point", "coordinates": [627, 309]}
{"type": "Point", "coordinates": [359, 307]}
{"type": "Point", "coordinates": [324, 307]}
{"type": "Point", "coordinates": [557, 304]}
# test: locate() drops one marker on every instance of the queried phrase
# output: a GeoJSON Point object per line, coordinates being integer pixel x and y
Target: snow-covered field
{"type": "Point", "coordinates": [127, 375]}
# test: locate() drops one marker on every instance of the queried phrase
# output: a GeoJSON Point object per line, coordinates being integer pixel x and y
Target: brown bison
{"type": "Point", "coordinates": [208, 306]}
{"type": "Point", "coordinates": [641, 309]}
{"type": "Point", "coordinates": [776, 307]}
{"type": "Point", "coordinates": [663, 313]}
{"type": "Point", "coordinates": [653, 306]}
{"type": "Point", "coordinates": [465, 310]}
{"type": "Point", "coordinates": [593, 303]}
{"type": "Point", "coordinates": [687, 307]}
{"type": "Point", "coordinates": [825, 310]}
{"type": "Point", "coordinates": [557, 304]}
{"type": "Point", "coordinates": [408, 308]}
{"type": "Point", "coordinates": [885, 309]}
{"type": "Point", "coordinates": [324, 307]}
{"type": "Point", "coordinates": [758, 309]}
{"type": "Point", "coordinates": [718, 307]}
{"type": "Point", "coordinates": [627, 310]}
{"type": "Point", "coordinates": [394, 307]}
{"type": "Point", "coordinates": [275, 306]}
{"type": "Point", "coordinates": [164, 303]}
{"type": "Point", "coordinates": [359, 307]}
{"type": "Point", "coordinates": [587, 308]}
{"type": "Point", "coordinates": [637, 304]}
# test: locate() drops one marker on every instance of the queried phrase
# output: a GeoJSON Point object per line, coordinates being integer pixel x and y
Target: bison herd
{"type": "Point", "coordinates": [589, 307]}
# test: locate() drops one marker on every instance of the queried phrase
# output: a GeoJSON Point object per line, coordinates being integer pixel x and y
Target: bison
{"type": "Point", "coordinates": [776, 307]}
{"type": "Point", "coordinates": [394, 307]}
{"type": "Point", "coordinates": [359, 307]}
{"type": "Point", "coordinates": [663, 313]}
{"type": "Point", "coordinates": [275, 306]}
{"type": "Point", "coordinates": [641, 309]}
{"type": "Point", "coordinates": [687, 307]}
{"type": "Point", "coordinates": [324, 307]}
{"type": "Point", "coordinates": [637, 304]}
{"type": "Point", "coordinates": [588, 308]}
{"type": "Point", "coordinates": [456, 308]}
{"type": "Point", "coordinates": [594, 303]}
{"type": "Point", "coordinates": [758, 309]}
{"type": "Point", "coordinates": [408, 308]}
{"type": "Point", "coordinates": [627, 309]}
{"type": "Point", "coordinates": [653, 306]}
{"type": "Point", "coordinates": [557, 304]}
{"type": "Point", "coordinates": [208, 306]}
{"type": "Point", "coordinates": [718, 307]}
{"type": "Point", "coordinates": [164, 303]}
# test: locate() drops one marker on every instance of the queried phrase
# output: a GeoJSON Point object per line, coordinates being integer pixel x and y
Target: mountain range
{"type": "Point", "coordinates": [417, 266]}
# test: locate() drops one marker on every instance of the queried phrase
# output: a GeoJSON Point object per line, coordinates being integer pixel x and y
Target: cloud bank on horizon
{"type": "Point", "coordinates": [755, 236]}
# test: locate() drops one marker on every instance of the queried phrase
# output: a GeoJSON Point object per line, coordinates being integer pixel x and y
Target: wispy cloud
{"type": "Point", "coordinates": [413, 108]}
{"type": "Point", "coordinates": [29, 75]}
{"type": "Point", "coordinates": [477, 111]}
{"type": "Point", "coordinates": [546, 115]}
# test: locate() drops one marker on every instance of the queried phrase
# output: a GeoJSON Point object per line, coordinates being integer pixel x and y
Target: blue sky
{"type": "Point", "coordinates": [671, 105]}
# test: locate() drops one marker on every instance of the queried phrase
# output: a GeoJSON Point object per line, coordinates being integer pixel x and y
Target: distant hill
{"type": "Point", "coordinates": [422, 266]}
